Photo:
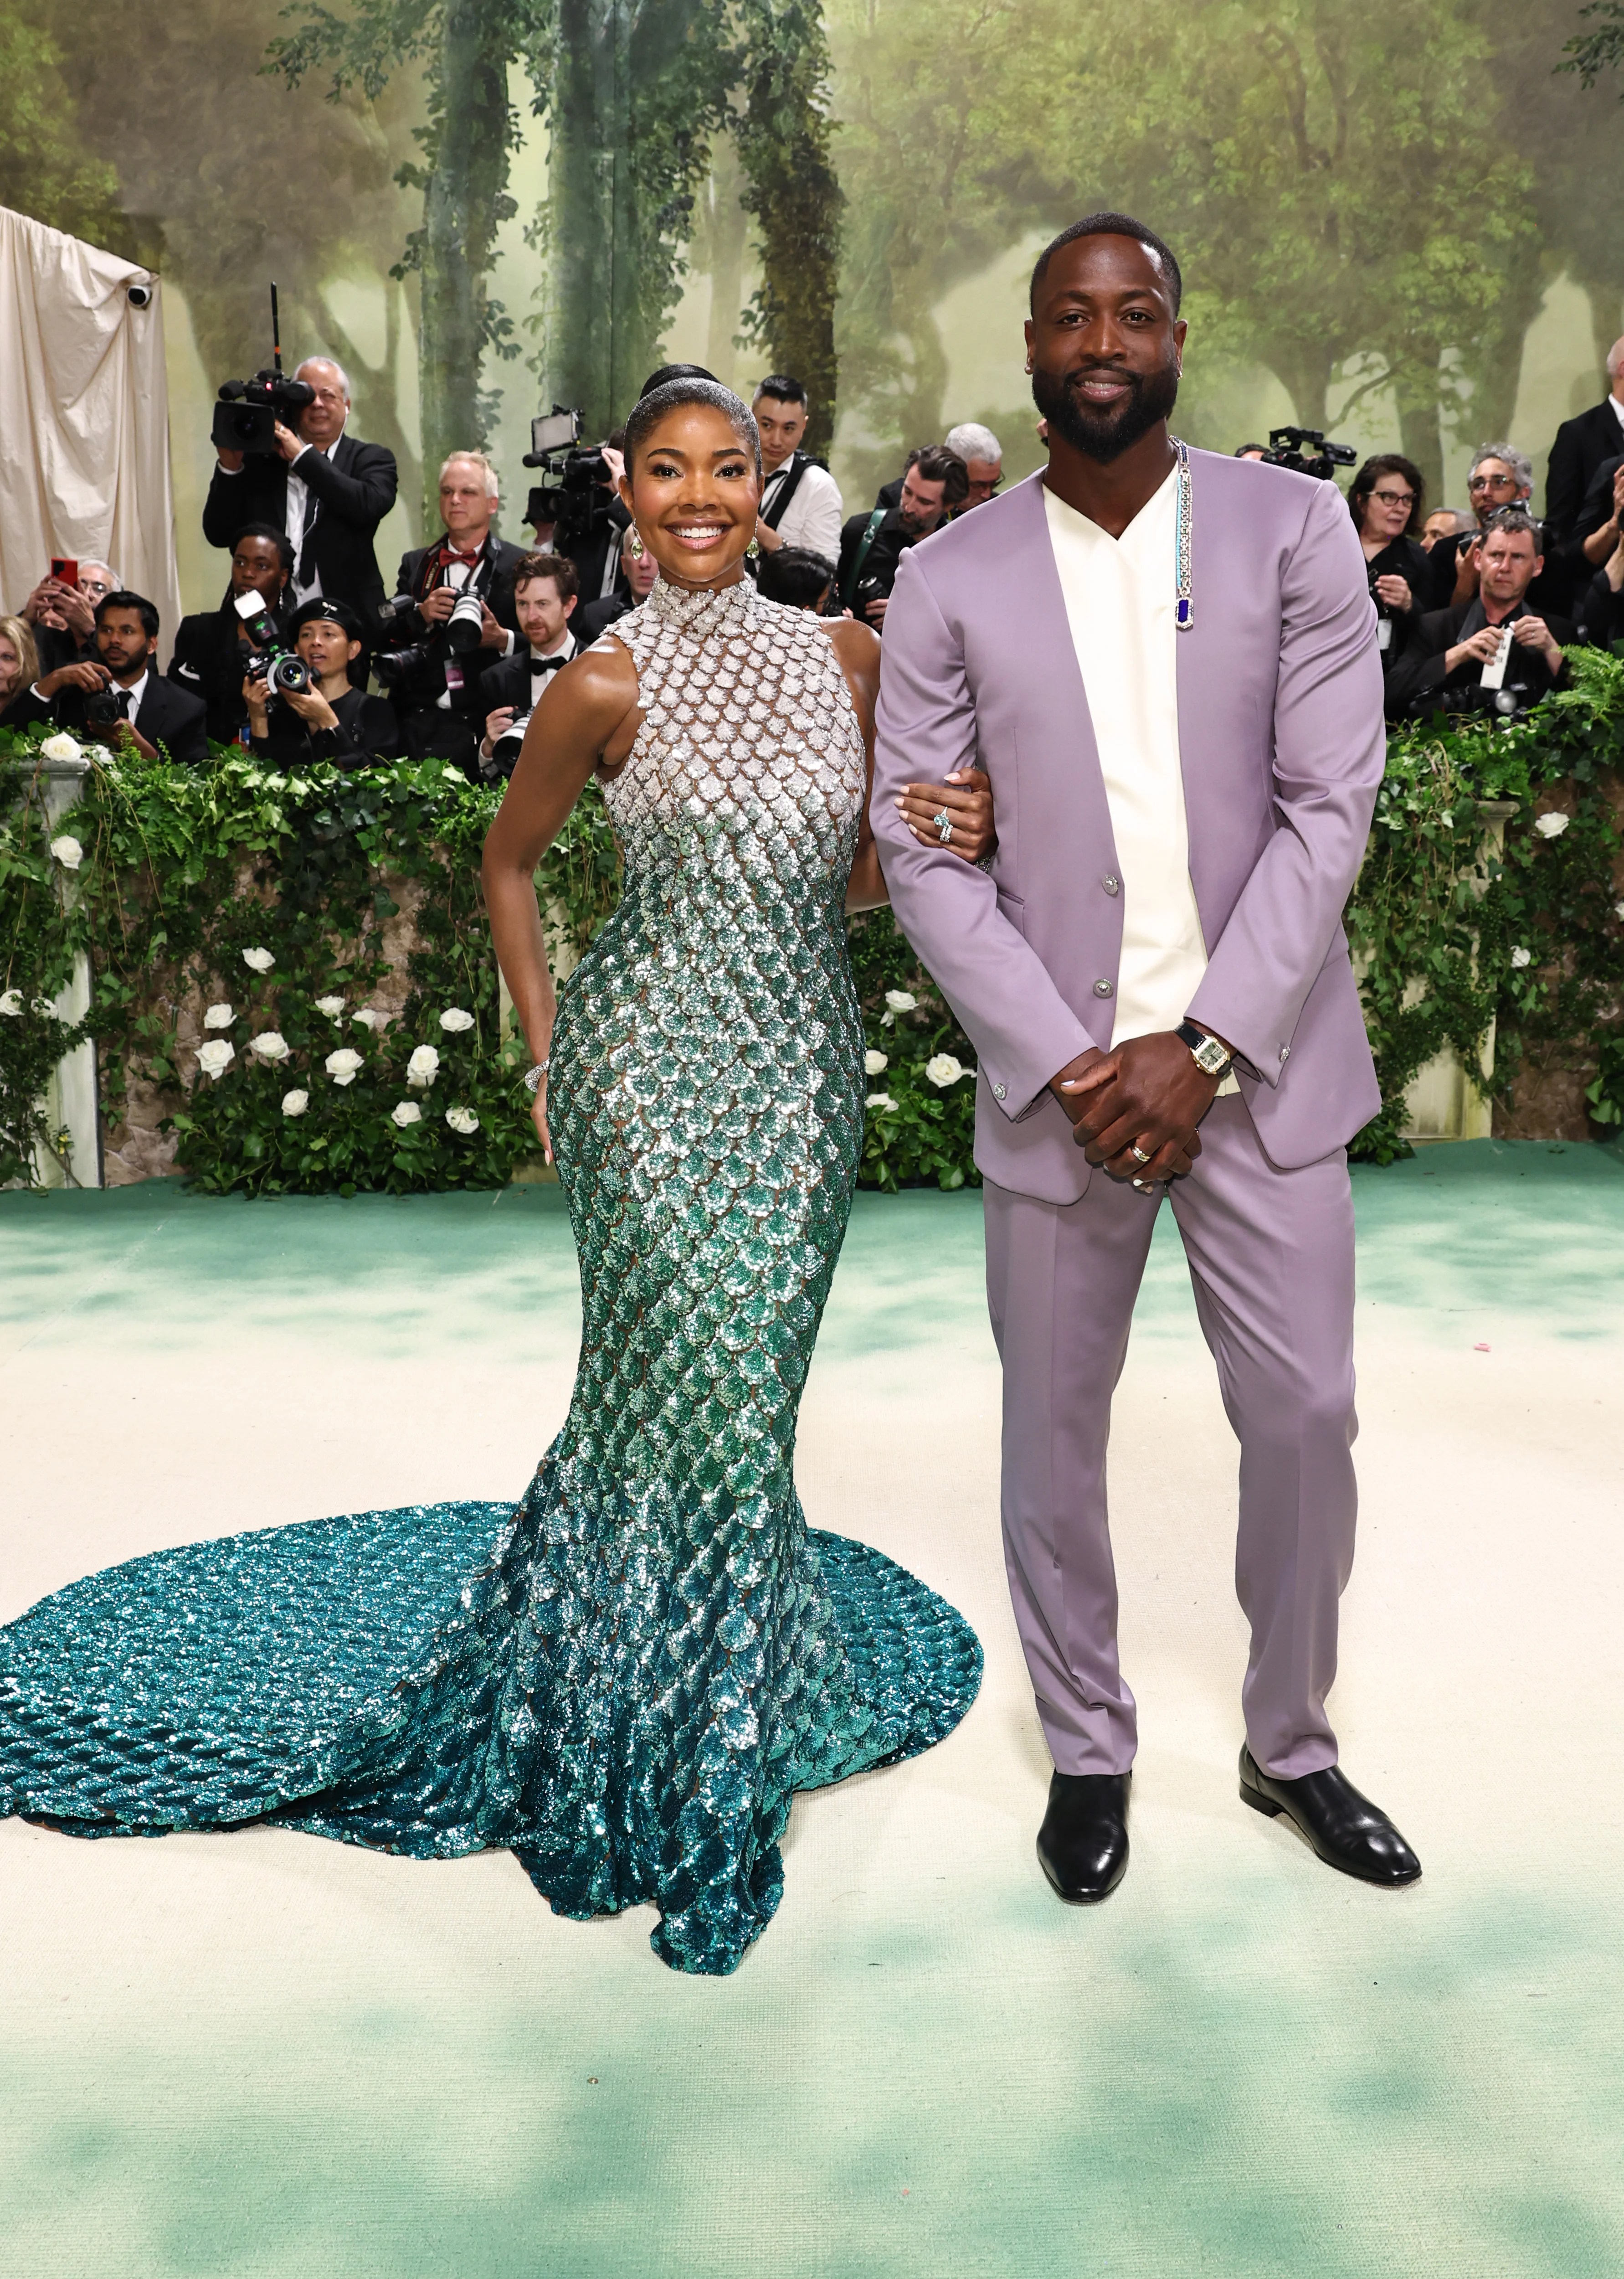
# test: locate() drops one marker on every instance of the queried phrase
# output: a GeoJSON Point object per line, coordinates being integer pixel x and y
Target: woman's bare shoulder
{"type": "Point", "coordinates": [857, 646]}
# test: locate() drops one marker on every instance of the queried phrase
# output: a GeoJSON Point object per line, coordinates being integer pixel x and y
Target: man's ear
{"type": "Point", "coordinates": [570, 600]}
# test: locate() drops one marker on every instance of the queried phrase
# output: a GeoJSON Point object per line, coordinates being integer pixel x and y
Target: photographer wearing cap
{"type": "Point", "coordinates": [212, 647]}
{"type": "Point", "coordinates": [332, 720]}
{"type": "Point", "coordinates": [325, 490]}
{"type": "Point", "coordinates": [454, 613]}
{"type": "Point", "coordinates": [122, 700]}
{"type": "Point", "coordinates": [800, 499]}
{"type": "Point", "coordinates": [871, 545]}
{"type": "Point", "coordinates": [1490, 653]}
{"type": "Point", "coordinates": [545, 594]}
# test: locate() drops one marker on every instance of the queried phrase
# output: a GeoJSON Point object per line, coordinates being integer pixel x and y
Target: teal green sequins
{"type": "Point", "coordinates": [625, 1681]}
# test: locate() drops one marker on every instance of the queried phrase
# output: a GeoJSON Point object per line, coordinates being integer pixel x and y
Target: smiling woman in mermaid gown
{"type": "Point", "coordinates": [625, 1680]}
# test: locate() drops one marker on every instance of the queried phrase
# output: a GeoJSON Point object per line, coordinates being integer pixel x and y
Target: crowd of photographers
{"type": "Point", "coordinates": [1477, 609]}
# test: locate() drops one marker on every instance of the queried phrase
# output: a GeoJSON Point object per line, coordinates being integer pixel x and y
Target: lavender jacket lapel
{"type": "Point", "coordinates": [1282, 748]}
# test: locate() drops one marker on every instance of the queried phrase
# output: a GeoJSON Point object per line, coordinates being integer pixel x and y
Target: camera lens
{"type": "Point", "coordinates": [465, 626]}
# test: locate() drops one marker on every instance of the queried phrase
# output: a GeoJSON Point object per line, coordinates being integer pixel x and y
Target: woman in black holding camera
{"type": "Point", "coordinates": [1388, 501]}
{"type": "Point", "coordinates": [331, 720]}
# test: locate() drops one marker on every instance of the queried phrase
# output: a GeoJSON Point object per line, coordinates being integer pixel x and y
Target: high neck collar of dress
{"type": "Point", "coordinates": [708, 610]}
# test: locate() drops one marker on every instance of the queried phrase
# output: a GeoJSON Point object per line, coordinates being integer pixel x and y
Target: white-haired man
{"type": "Point", "coordinates": [436, 689]}
{"type": "Point", "coordinates": [63, 616]}
{"type": "Point", "coordinates": [325, 488]}
{"type": "Point", "coordinates": [1499, 477]}
{"type": "Point", "coordinates": [983, 455]}
{"type": "Point", "coordinates": [1581, 446]}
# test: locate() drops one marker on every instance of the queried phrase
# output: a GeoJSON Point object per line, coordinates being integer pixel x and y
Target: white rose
{"type": "Point", "coordinates": [461, 1120]}
{"type": "Point", "coordinates": [294, 1103]}
{"type": "Point", "coordinates": [11, 1004]}
{"type": "Point", "coordinates": [331, 1006]}
{"type": "Point", "coordinates": [260, 960]}
{"type": "Point", "coordinates": [943, 1069]}
{"type": "Point", "coordinates": [1519, 958]}
{"type": "Point", "coordinates": [424, 1066]}
{"type": "Point", "coordinates": [216, 1057]}
{"type": "Point", "coordinates": [60, 748]}
{"type": "Point", "coordinates": [1617, 909]}
{"type": "Point", "coordinates": [343, 1065]}
{"type": "Point", "coordinates": [272, 1045]}
{"type": "Point", "coordinates": [873, 1062]}
{"type": "Point", "coordinates": [219, 1016]}
{"type": "Point", "coordinates": [880, 1099]}
{"type": "Point", "coordinates": [370, 1017]}
{"type": "Point", "coordinates": [44, 1007]}
{"type": "Point", "coordinates": [1551, 826]}
{"type": "Point", "coordinates": [68, 851]}
{"type": "Point", "coordinates": [455, 1019]}
{"type": "Point", "coordinates": [900, 1000]}
{"type": "Point", "coordinates": [405, 1112]}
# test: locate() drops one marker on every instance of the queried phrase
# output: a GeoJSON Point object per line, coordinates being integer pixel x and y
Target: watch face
{"type": "Point", "coordinates": [1211, 1056]}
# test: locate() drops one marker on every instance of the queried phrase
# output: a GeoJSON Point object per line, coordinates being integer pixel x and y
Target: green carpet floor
{"type": "Point", "coordinates": [260, 2054]}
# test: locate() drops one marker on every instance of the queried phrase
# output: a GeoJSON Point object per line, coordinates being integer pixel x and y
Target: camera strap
{"type": "Point", "coordinates": [868, 536]}
{"type": "Point", "coordinates": [774, 512]}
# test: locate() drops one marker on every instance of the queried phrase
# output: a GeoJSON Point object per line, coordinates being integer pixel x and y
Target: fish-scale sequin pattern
{"type": "Point", "coordinates": [625, 1680]}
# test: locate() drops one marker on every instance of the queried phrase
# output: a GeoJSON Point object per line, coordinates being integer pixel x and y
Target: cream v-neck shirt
{"type": "Point", "coordinates": [1119, 594]}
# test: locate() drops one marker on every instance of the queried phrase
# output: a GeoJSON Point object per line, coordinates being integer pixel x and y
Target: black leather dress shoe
{"type": "Point", "coordinates": [1343, 1827]}
{"type": "Point", "coordinates": [1082, 1844]}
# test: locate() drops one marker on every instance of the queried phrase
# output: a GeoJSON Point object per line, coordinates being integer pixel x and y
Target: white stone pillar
{"type": "Point", "coordinates": [70, 1100]}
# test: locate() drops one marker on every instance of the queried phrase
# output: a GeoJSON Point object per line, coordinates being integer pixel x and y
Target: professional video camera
{"type": "Point", "coordinates": [461, 634]}
{"type": "Point", "coordinates": [573, 497]}
{"type": "Point", "coordinates": [1285, 449]}
{"type": "Point", "coordinates": [272, 661]}
{"type": "Point", "coordinates": [246, 417]}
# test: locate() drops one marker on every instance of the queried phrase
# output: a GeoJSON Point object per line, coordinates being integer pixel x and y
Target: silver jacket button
{"type": "Point", "coordinates": [1102, 988]}
{"type": "Point", "coordinates": [998, 1091]}
{"type": "Point", "coordinates": [1112, 886]}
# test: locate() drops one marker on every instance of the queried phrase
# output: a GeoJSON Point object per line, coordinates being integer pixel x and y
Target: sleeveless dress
{"type": "Point", "coordinates": [625, 1680]}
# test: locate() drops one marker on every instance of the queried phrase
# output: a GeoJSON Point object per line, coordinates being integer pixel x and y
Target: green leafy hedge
{"type": "Point", "coordinates": [362, 892]}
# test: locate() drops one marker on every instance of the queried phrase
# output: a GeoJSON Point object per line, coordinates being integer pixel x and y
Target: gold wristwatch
{"type": "Point", "coordinates": [1211, 1057]}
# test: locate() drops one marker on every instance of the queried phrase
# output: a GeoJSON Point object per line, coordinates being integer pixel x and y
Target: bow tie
{"type": "Point", "coordinates": [548, 664]}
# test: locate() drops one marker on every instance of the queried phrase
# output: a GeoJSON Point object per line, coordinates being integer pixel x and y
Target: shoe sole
{"type": "Point", "coordinates": [1270, 1810]}
{"type": "Point", "coordinates": [1079, 1898]}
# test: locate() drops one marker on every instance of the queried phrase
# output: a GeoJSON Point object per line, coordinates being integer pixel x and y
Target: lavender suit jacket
{"type": "Point", "coordinates": [1282, 747]}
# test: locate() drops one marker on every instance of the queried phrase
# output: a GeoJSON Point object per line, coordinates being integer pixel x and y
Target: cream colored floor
{"type": "Point", "coordinates": [263, 2054]}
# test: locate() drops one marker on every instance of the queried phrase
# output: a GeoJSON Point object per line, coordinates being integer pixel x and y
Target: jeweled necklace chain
{"type": "Point", "coordinates": [1184, 604]}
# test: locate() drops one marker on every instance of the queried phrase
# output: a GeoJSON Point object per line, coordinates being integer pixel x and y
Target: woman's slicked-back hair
{"type": "Point", "coordinates": [671, 395]}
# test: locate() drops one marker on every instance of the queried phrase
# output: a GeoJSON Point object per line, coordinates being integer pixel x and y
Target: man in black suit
{"type": "Point", "coordinates": [871, 545]}
{"type": "Point", "coordinates": [326, 491]}
{"type": "Point", "coordinates": [156, 714]}
{"type": "Point", "coordinates": [545, 594]}
{"type": "Point", "coordinates": [1442, 665]}
{"type": "Point", "coordinates": [436, 693]}
{"type": "Point", "coordinates": [211, 649]}
{"type": "Point", "coordinates": [1581, 446]}
{"type": "Point", "coordinates": [639, 573]}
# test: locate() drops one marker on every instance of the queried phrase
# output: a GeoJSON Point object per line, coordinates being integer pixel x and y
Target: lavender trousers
{"type": "Point", "coordinates": [1271, 1259]}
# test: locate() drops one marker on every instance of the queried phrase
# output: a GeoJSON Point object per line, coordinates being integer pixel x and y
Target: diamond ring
{"type": "Point", "coordinates": [944, 825]}
{"type": "Point", "coordinates": [1140, 1154]}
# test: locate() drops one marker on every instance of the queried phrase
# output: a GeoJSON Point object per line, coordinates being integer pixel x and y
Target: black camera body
{"type": "Point", "coordinates": [246, 416]}
{"type": "Point", "coordinates": [104, 707]}
{"type": "Point", "coordinates": [1285, 449]}
{"type": "Point", "coordinates": [574, 498]}
{"type": "Point", "coordinates": [283, 672]}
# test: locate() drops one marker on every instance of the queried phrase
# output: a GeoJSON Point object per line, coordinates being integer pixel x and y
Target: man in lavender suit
{"type": "Point", "coordinates": [1166, 663]}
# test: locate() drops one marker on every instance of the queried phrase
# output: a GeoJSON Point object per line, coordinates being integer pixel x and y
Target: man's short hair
{"type": "Point", "coordinates": [971, 441]}
{"type": "Point", "coordinates": [1109, 225]}
{"type": "Point", "coordinates": [795, 576]}
{"type": "Point", "coordinates": [493, 488]}
{"type": "Point", "coordinates": [320, 611]}
{"type": "Point", "coordinates": [279, 539]}
{"type": "Point", "coordinates": [1519, 462]}
{"type": "Point", "coordinates": [558, 567]}
{"type": "Point", "coordinates": [783, 386]}
{"type": "Point", "coordinates": [1615, 358]}
{"type": "Point", "coordinates": [937, 465]}
{"type": "Point", "coordinates": [1511, 521]}
{"type": "Point", "coordinates": [320, 358]}
{"type": "Point", "coordinates": [144, 609]}
{"type": "Point", "coordinates": [1243, 449]}
{"type": "Point", "coordinates": [113, 579]}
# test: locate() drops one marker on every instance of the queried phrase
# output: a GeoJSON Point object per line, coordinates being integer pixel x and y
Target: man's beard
{"type": "Point", "coordinates": [1104, 436]}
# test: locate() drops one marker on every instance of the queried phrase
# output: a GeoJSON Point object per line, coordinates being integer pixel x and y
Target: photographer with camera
{"type": "Point", "coordinates": [211, 649]}
{"type": "Point", "coordinates": [872, 545]}
{"type": "Point", "coordinates": [1489, 653]}
{"type": "Point", "coordinates": [800, 499]}
{"type": "Point", "coordinates": [576, 509]}
{"type": "Point", "coordinates": [1386, 500]}
{"type": "Point", "coordinates": [61, 610]}
{"type": "Point", "coordinates": [326, 491]}
{"type": "Point", "coordinates": [1499, 478]}
{"type": "Point", "coordinates": [639, 574]}
{"type": "Point", "coordinates": [544, 599]}
{"type": "Point", "coordinates": [121, 700]}
{"type": "Point", "coordinates": [296, 720]}
{"type": "Point", "coordinates": [454, 612]}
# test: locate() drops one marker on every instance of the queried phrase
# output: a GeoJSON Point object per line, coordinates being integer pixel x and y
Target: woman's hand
{"type": "Point", "coordinates": [966, 799]}
{"type": "Point", "coordinates": [256, 700]}
{"type": "Point", "coordinates": [538, 1117]}
{"type": "Point", "coordinates": [1396, 593]}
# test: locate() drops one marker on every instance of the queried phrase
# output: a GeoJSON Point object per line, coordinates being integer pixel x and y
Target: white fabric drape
{"type": "Point", "coordinates": [84, 409]}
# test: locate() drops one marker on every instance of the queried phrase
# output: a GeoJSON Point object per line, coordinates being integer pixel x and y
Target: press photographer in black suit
{"type": "Point", "coordinates": [1581, 446]}
{"type": "Point", "coordinates": [332, 720]}
{"type": "Point", "coordinates": [639, 574]}
{"type": "Point", "coordinates": [155, 714]}
{"type": "Point", "coordinates": [213, 649]}
{"type": "Point", "coordinates": [545, 594]}
{"type": "Point", "coordinates": [323, 488]}
{"type": "Point", "coordinates": [871, 545]}
{"type": "Point", "coordinates": [430, 667]}
{"type": "Point", "coordinates": [1442, 668]}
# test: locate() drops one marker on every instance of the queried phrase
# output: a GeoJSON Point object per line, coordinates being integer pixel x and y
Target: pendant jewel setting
{"type": "Point", "coordinates": [1184, 605]}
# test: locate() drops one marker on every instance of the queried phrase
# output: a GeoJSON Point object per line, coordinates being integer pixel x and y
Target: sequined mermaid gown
{"type": "Point", "coordinates": [625, 1680]}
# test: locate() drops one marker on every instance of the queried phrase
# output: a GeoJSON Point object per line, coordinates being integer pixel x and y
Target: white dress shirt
{"type": "Point", "coordinates": [1119, 594]}
{"type": "Point", "coordinates": [304, 589]}
{"type": "Point", "coordinates": [137, 690]}
{"type": "Point", "coordinates": [813, 516]}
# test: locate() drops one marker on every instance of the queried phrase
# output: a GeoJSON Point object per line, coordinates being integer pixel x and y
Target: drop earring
{"type": "Point", "coordinates": [634, 544]}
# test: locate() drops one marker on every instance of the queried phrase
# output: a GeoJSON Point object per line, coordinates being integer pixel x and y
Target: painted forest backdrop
{"type": "Point", "coordinates": [1400, 221]}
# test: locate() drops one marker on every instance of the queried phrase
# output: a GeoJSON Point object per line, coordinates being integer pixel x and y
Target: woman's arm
{"type": "Point", "coordinates": [587, 719]}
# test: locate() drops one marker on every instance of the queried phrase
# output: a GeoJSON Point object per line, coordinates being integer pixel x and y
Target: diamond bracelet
{"type": "Point", "coordinates": [533, 1076]}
